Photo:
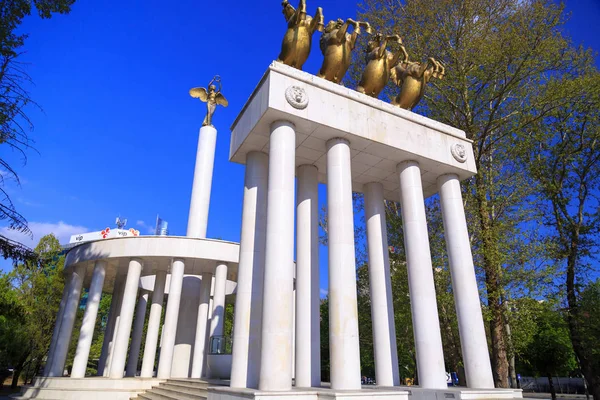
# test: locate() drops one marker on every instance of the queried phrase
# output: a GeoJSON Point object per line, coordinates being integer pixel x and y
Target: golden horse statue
{"type": "Point", "coordinates": [337, 45]}
{"type": "Point", "coordinates": [379, 63]}
{"type": "Point", "coordinates": [298, 37]}
{"type": "Point", "coordinates": [412, 77]}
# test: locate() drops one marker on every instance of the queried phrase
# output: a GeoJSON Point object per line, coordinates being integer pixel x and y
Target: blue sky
{"type": "Point", "coordinates": [118, 131]}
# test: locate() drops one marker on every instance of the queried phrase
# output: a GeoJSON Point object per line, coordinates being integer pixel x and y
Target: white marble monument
{"type": "Point", "coordinates": [299, 125]}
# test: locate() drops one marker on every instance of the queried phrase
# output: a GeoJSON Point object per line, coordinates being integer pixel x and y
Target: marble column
{"type": "Point", "coordinates": [382, 305]}
{"type": "Point", "coordinates": [56, 331]}
{"type": "Point", "coordinates": [186, 327]}
{"type": "Point", "coordinates": [108, 329]}
{"type": "Point", "coordinates": [68, 319]}
{"type": "Point", "coordinates": [217, 322]}
{"type": "Point", "coordinates": [153, 324]}
{"type": "Point", "coordinates": [248, 301]}
{"type": "Point", "coordinates": [343, 309]}
{"type": "Point", "coordinates": [200, 200]}
{"type": "Point", "coordinates": [426, 324]}
{"type": "Point", "coordinates": [200, 345]}
{"type": "Point", "coordinates": [136, 335]}
{"type": "Point", "coordinates": [117, 365]}
{"type": "Point", "coordinates": [88, 324]}
{"type": "Point", "coordinates": [308, 342]}
{"type": "Point", "coordinates": [276, 340]}
{"type": "Point", "coordinates": [473, 341]}
{"type": "Point", "coordinates": [118, 301]}
{"type": "Point", "coordinates": [171, 318]}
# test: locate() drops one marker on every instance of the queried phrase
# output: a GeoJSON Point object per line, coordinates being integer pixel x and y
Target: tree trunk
{"type": "Point", "coordinates": [585, 358]}
{"type": "Point", "coordinates": [493, 272]}
{"type": "Point", "coordinates": [18, 370]}
{"type": "Point", "coordinates": [511, 358]}
{"type": "Point", "coordinates": [552, 389]}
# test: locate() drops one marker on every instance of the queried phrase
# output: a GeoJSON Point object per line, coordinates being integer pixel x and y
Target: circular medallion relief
{"type": "Point", "coordinates": [297, 97]}
{"type": "Point", "coordinates": [459, 152]}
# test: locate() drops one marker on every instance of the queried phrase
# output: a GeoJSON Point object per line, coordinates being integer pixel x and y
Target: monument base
{"type": "Point", "coordinates": [368, 392]}
{"type": "Point", "coordinates": [93, 388]}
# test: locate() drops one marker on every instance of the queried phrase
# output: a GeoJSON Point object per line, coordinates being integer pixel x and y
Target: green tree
{"type": "Point", "coordinates": [563, 156]}
{"type": "Point", "coordinates": [550, 351]}
{"type": "Point", "coordinates": [36, 293]}
{"type": "Point", "coordinates": [14, 99]}
{"type": "Point", "coordinates": [499, 55]}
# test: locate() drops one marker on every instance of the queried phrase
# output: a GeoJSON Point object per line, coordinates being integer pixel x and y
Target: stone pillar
{"type": "Point", "coordinates": [117, 300]}
{"type": "Point", "coordinates": [56, 331]}
{"type": "Point", "coordinates": [276, 340]}
{"type": "Point", "coordinates": [136, 335]}
{"type": "Point", "coordinates": [153, 324]}
{"type": "Point", "coordinates": [473, 341]}
{"type": "Point", "coordinates": [248, 301]}
{"type": "Point", "coordinates": [88, 324]}
{"type": "Point", "coordinates": [426, 324]}
{"type": "Point", "coordinates": [308, 342]}
{"type": "Point", "coordinates": [68, 319]}
{"type": "Point", "coordinates": [382, 305]}
{"type": "Point", "coordinates": [200, 344]}
{"type": "Point", "coordinates": [115, 309]}
{"type": "Point", "coordinates": [117, 365]}
{"type": "Point", "coordinates": [247, 327]}
{"type": "Point", "coordinates": [171, 318]}
{"type": "Point", "coordinates": [186, 327]}
{"type": "Point", "coordinates": [200, 201]}
{"type": "Point", "coordinates": [343, 309]}
{"type": "Point", "coordinates": [217, 323]}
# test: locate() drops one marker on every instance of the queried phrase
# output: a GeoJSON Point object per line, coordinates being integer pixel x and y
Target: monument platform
{"type": "Point", "coordinates": [381, 135]}
{"type": "Point", "coordinates": [357, 144]}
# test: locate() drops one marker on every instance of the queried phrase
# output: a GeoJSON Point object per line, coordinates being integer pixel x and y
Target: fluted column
{"type": "Point", "coordinates": [171, 318]}
{"type": "Point", "coordinates": [245, 364]}
{"type": "Point", "coordinates": [276, 340]}
{"type": "Point", "coordinates": [307, 337]}
{"type": "Point", "coordinates": [426, 324]}
{"type": "Point", "coordinates": [382, 305]}
{"type": "Point", "coordinates": [473, 341]}
{"type": "Point", "coordinates": [117, 365]}
{"type": "Point", "coordinates": [343, 309]}
{"type": "Point", "coordinates": [88, 324]}
{"type": "Point", "coordinates": [153, 324]}
{"type": "Point", "coordinates": [68, 319]}
{"type": "Point", "coordinates": [56, 330]}
{"type": "Point", "coordinates": [136, 335]}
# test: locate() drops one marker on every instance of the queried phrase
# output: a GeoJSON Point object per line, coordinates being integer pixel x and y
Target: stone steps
{"type": "Point", "coordinates": [177, 389]}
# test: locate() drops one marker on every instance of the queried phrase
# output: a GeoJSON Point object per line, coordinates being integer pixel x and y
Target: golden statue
{"type": "Point", "coordinates": [379, 63]}
{"type": "Point", "coordinates": [412, 77]}
{"type": "Point", "coordinates": [298, 37]}
{"type": "Point", "coordinates": [337, 46]}
{"type": "Point", "coordinates": [212, 97]}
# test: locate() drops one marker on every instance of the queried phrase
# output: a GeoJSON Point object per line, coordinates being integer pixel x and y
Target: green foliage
{"type": "Point", "coordinates": [31, 294]}
{"type": "Point", "coordinates": [14, 99]}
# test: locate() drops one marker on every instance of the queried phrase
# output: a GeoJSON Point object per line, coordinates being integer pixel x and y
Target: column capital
{"type": "Point", "coordinates": [178, 259]}
{"type": "Point", "coordinates": [282, 122]}
{"type": "Point", "coordinates": [138, 260]}
{"type": "Point", "coordinates": [337, 140]}
{"type": "Point", "coordinates": [446, 177]}
{"type": "Point", "coordinates": [405, 164]}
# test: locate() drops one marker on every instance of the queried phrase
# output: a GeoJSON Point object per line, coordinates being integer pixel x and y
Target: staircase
{"type": "Point", "coordinates": [178, 389]}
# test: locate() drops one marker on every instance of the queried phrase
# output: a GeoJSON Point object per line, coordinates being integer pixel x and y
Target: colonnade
{"type": "Point", "coordinates": [263, 355]}
{"type": "Point", "coordinates": [119, 357]}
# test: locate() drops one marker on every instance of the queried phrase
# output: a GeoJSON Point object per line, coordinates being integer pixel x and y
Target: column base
{"type": "Point", "coordinates": [93, 388]}
{"type": "Point", "coordinates": [367, 392]}
{"type": "Point", "coordinates": [226, 393]}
